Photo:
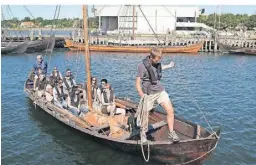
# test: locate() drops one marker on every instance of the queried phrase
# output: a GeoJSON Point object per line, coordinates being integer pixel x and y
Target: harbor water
{"type": "Point", "coordinates": [222, 85]}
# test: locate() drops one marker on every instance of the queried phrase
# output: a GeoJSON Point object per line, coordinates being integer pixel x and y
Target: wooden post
{"type": "Point", "coordinates": [133, 22]}
{"type": "Point", "coordinates": [99, 23]}
{"type": "Point", "coordinates": [156, 21]}
{"type": "Point", "coordinates": [87, 58]}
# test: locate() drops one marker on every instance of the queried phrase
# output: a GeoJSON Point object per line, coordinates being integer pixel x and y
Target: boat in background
{"type": "Point", "coordinates": [236, 50]}
{"type": "Point", "coordinates": [40, 45]}
{"type": "Point", "coordinates": [193, 48]}
{"type": "Point", "coordinates": [14, 47]}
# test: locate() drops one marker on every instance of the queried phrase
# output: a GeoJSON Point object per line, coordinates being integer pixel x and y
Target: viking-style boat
{"type": "Point", "coordinates": [250, 51]}
{"type": "Point", "coordinates": [195, 146]}
{"type": "Point", "coordinates": [193, 48]}
{"type": "Point", "coordinates": [229, 49]}
{"type": "Point", "coordinates": [40, 45]}
{"type": "Point", "coordinates": [14, 48]}
{"type": "Point", "coordinates": [46, 44]}
{"type": "Point", "coordinates": [236, 50]}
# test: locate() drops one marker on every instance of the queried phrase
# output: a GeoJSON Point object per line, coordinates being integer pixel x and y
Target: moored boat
{"type": "Point", "coordinates": [40, 45]}
{"type": "Point", "coordinates": [251, 51]}
{"type": "Point", "coordinates": [14, 47]}
{"type": "Point", "coordinates": [193, 48]}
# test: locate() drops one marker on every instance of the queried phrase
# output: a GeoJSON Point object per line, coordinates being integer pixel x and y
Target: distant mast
{"type": "Point", "coordinates": [133, 22]}
{"type": "Point", "coordinates": [87, 58]}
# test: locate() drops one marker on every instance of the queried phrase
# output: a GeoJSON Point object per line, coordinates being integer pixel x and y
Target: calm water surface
{"type": "Point", "coordinates": [224, 86]}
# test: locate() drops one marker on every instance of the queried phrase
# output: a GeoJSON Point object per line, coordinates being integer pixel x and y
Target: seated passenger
{"type": "Point", "coordinates": [94, 88]}
{"type": "Point", "coordinates": [36, 76]}
{"type": "Point", "coordinates": [56, 74]}
{"type": "Point", "coordinates": [68, 82]}
{"type": "Point", "coordinates": [59, 96]}
{"type": "Point", "coordinates": [106, 99]}
{"type": "Point", "coordinates": [49, 89]}
{"type": "Point", "coordinates": [40, 85]}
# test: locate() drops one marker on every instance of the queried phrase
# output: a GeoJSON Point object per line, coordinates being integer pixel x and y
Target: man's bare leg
{"type": "Point", "coordinates": [170, 119]}
{"type": "Point", "coordinates": [170, 114]}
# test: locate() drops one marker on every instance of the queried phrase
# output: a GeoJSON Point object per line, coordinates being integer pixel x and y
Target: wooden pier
{"type": "Point", "coordinates": [210, 45]}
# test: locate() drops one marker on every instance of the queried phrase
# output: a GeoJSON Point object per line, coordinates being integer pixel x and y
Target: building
{"type": "Point", "coordinates": [161, 19]}
{"type": "Point", "coordinates": [27, 24]}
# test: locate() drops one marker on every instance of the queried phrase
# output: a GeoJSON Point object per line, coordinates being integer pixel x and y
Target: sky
{"type": "Point", "coordinates": [74, 11]}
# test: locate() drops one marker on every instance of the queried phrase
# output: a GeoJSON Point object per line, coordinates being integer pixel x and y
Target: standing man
{"type": "Point", "coordinates": [149, 75]}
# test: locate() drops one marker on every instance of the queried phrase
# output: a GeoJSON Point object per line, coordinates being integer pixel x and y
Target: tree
{"type": "Point", "coordinates": [26, 19]}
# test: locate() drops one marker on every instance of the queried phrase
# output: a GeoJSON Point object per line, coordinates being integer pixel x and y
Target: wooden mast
{"type": "Point", "coordinates": [87, 58]}
{"type": "Point", "coordinates": [133, 22]}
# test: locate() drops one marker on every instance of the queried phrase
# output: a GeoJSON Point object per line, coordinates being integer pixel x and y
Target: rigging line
{"type": "Point", "coordinates": [2, 11]}
{"type": "Point", "coordinates": [119, 21]}
{"type": "Point", "coordinates": [101, 9]}
{"type": "Point", "coordinates": [29, 11]}
{"type": "Point", "coordinates": [77, 62]}
{"type": "Point", "coordinates": [124, 20]}
{"type": "Point", "coordinates": [122, 23]}
{"type": "Point", "coordinates": [191, 96]}
{"type": "Point", "coordinates": [12, 18]}
{"type": "Point", "coordinates": [51, 30]}
{"type": "Point", "coordinates": [149, 24]}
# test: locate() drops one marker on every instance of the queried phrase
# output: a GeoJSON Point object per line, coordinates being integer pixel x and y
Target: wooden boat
{"type": "Point", "coordinates": [194, 48]}
{"type": "Point", "coordinates": [14, 47]}
{"type": "Point", "coordinates": [229, 49]}
{"type": "Point", "coordinates": [250, 51]}
{"type": "Point", "coordinates": [236, 50]}
{"type": "Point", "coordinates": [195, 146]}
{"type": "Point", "coordinates": [196, 142]}
{"type": "Point", "coordinates": [40, 45]}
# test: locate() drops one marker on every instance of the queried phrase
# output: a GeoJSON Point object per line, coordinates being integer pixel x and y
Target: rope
{"type": "Point", "coordinates": [143, 153]}
{"type": "Point", "coordinates": [193, 99]}
{"type": "Point", "coordinates": [29, 12]}
{"type": "Point", "coordinates": [149, 25]}
{"type": "Point", "coordinates": [18, 25]}
{"type": "Point", "coordinates": [54, 20]}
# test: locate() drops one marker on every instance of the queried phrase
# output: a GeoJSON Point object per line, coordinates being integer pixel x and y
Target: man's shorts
{"type": "Point", "coordinates": [161, 97]}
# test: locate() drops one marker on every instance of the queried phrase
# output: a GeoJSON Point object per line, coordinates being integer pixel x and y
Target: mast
{"type": "Point", "coordinates": [87, 58]}
{"type": "Point", "coordinates": [133, 22]}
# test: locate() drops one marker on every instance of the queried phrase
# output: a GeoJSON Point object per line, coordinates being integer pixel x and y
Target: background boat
{"type": "Point", "coordinates": [14, 47]}
{"type": "Point", "coordinates": [193, 48]}
{"type": "Point", "coordinates": [40, 45]}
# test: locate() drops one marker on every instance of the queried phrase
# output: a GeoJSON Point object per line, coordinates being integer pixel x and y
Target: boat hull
{"type": "Point", "coordinates": [133, 49]}
{"type": "Point", "coordinates": [14, 47]}
{"type": "Point", "coordinates": [40, 45]}
{"type": "Point", "coordinates": [164, 152]}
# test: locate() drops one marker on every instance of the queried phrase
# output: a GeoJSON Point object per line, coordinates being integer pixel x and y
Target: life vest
{"type": "Point", "coordinates": [41, 84]}
{"type": "Point", "coordinates": [94, 92]}
{"type": "Point", "coordinates": [75, 103]}
{"type": "Point", "coordinates": [152, 77]}
{"type": "Point", "coordinates": [105, 97]}
{"type": "Point", "coordinates": [56, 77]}
{"type": "Point", "coordinates": [60, 94]}
{"type": "Point", "coordinates": [66, 83]}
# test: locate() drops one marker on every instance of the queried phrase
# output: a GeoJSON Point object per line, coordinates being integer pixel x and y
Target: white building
{"type": "Point", "coordinates": [161, 18]}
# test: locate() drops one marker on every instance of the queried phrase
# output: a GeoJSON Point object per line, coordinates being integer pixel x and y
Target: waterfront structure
{"type": "Point", "coordinates": [163, 19]}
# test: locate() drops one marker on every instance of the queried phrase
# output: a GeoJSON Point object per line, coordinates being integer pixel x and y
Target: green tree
{"type": "Point", "coordinates": [26, 19]}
